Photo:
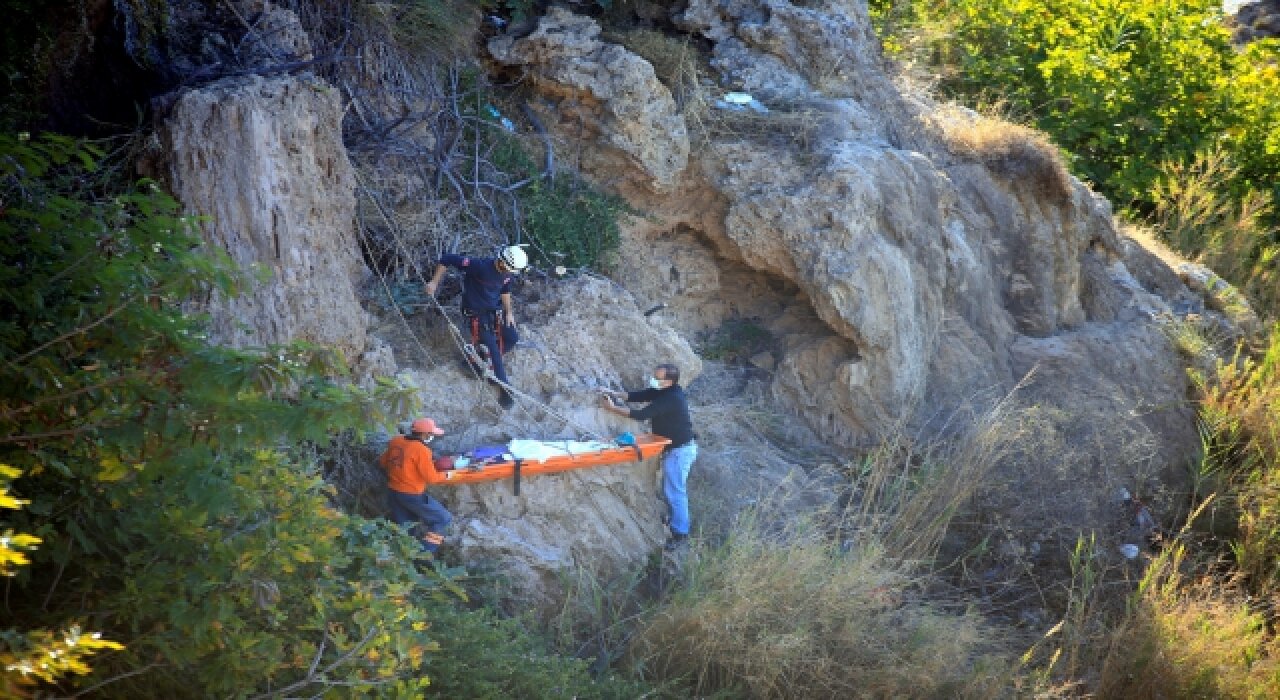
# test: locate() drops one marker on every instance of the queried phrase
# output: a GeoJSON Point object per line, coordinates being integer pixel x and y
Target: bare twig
{"type": "Point", "coordinates": [72, 333]}
{"type": "Point", "coordinates": [113, 679]}
{"type": "Point", "coordinates": [313, 677]}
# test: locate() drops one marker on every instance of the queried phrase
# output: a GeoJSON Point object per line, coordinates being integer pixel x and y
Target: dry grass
{"type": "Point", "coordinates": [907, 490]}
{"type": "Point", "coordinates": [1016, 152]}
{"type": "Point", "coordinates": [1194, 339]}
{"type": "Point", "coordinates": [1197, 628]}
{"type": "Point", "coordinates": [792, 614]}
{"type": "Point", "coordinates": [1149, 240]}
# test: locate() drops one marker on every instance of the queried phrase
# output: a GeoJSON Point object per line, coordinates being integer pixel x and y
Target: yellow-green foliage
{"type": "Point", "coordinates": [1191, 631]}
{"type": "Point", "coordinates": [1190, 639]}
{"type": "Point", "coordinates": [1242, 406]}
{"type": "Point", "coordinates": [1135, 92]}
{"type": "Point", "coordinates": [42, 656]}
{"type": "Point", "coordinates": [1229, 233]}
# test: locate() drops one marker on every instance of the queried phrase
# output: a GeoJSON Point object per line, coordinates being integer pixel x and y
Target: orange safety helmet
{"type": "Point", "coordinates": [425, 425]}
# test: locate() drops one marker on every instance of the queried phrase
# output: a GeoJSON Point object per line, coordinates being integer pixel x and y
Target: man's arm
{"type": "Point", "coordinates": [434, 284]}
{"type": "Point", "coordinates": [507, 313]}
{"type": "Point", "coordinates": [446, 261]}
{"type": "Point", "coordinates": [606, 402]}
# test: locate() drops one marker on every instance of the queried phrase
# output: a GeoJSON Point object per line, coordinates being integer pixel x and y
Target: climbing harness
{"type": "Point", "coordinates": [477, 353]}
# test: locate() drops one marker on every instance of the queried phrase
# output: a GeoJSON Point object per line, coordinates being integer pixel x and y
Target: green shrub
{"type": "Point", "coordinates": [570, 222]}
{"type": "Point", "coordinates": [1122, 85]}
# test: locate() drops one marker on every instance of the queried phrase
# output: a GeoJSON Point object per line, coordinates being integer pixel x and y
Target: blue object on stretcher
{"type": "Point", "coordinates": [488, 452]}
{"type": "Point", "coordinates": [625, 439]}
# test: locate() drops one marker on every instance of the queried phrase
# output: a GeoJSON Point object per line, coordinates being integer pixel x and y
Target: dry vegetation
{"type": "Point", "coordinates": [1016, 152]}
{"type": "Point", "coordinates": [1190, 639]}
{"type": "Point", "coordinates": [794, 614]}
{"type": "Point", "coordinates": [838, 600]}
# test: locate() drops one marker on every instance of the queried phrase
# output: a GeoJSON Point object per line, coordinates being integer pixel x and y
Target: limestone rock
{"type": "Point", "coordinates": [1255, 20]}
{"type": "Point", "coordinates": [601, 89]}
{"type": "Point", "coordinates": [262, 159]}
{"type": "Point", "coordinates": [903, 277]}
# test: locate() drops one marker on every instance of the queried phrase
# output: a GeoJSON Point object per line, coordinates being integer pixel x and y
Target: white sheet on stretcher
{"type": "Point", "coordinates": [542, 450]}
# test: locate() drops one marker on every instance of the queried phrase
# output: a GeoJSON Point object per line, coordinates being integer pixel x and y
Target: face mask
{"type": "Point", "coordinates": [655, 383]}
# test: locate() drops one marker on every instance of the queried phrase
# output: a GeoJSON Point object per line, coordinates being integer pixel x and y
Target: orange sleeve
{"type": "Point", "coordinates": [426, 464]}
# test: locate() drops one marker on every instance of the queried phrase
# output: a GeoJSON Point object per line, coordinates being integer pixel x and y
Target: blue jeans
{"type": "Point", "coordinates": [675, 472]}
{"type": "Point", "coordinates": [420, 509]}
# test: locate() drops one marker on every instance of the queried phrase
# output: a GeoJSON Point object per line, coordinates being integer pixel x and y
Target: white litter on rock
{"type": "Point", "coordinates": [740, 102]}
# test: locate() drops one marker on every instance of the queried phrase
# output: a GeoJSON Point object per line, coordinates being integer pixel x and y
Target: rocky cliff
{"type": "Point", "coordinates": [908, 264]}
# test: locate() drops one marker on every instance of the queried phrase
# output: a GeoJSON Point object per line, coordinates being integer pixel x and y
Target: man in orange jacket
{"type": "Point", "coordinates": [407, 461]}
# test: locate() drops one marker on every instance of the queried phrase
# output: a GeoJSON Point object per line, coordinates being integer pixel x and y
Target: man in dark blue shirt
{"type": "Point", "coordinates": [486, 297]}
{"type": "Point", "coordinates": [668, 410]}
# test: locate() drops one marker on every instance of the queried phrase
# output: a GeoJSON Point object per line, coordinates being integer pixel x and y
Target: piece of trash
{"type": "Point", "coordinates": [494, 113]}
{"type": "Point", "coordinates": [739, 102]}
{"type": "Point", "coordinates": [561, 271]}
{"type": "Point", "coordinates": [1130, 551]}
{"type": "Point", "coordinates": [626, 439]}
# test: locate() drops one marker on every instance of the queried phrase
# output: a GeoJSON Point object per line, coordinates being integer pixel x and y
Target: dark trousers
{"type": "Point", "coordinates": [489, 339]}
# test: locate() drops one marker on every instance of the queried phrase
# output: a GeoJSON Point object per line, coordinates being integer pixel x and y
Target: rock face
{"type": "Point", "coordinates": [1255, 20]}
{"type": "Point", "coordinates": [903, 270]}
{"type": "Point", "coordinates": [262, 159]}
{"type": "Point", "coordinates": [606, 92]}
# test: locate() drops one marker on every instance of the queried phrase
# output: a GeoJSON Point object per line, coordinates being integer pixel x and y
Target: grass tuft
{"type": "Point", "coordinates": [1016, 152]}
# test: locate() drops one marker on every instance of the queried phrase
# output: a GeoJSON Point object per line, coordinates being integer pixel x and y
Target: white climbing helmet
{"type": "Point", "coordinates": [514, 258]}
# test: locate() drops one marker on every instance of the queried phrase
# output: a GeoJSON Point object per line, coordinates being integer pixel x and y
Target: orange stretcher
{"type": "Point", "coordinates": [647, 445]}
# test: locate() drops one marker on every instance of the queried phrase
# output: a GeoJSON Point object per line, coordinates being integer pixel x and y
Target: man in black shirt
{"type": "Point", "coordinates": [668, 409]}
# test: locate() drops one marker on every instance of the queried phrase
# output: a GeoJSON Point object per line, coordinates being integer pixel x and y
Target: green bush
{"type": "Point", "coordinates": [1132, 90]}
{"type": "Point", "coordinates": [735, 341]}
{"type": "Point", "coordinates": [568, 221]}
{"type": "Point", "coordinates": [1121, 84]}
